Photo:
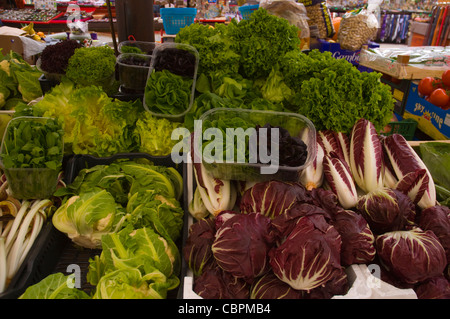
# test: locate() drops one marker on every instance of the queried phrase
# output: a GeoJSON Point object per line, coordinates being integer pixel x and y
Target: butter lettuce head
{"type": "Point", "coordinates": [87, 217]}
{"type": "Point", "coordinates": [154, 134]}
{"type": "Point", "coordinates": [103, 126]}
{"type": "Point", "coordinates": [163, 213]}
{"type": "Point", "coordinates": [152, 262]}
{"type": "Point", "coordinates": [130, 284]}
{"type": "Point", "coordinates": [167, 93]}
{"type": "Point", "coordinates": [55, 286]}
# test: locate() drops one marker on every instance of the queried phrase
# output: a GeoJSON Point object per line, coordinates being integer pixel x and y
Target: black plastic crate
{"type": "Point", "coordinates": [39, 262]}
{"type": "Point", "coordinates": [55, 252]}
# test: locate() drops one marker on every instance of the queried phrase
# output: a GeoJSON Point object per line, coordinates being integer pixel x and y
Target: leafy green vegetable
{"type": "Point", "coordinates": [19, 81]}
{"type": "Point", "coordinates": [33, 143]}
{"type": "Point", "coordinates": [106, 198]}
{"type": "Point", "coordinates": [214, 46]}
{"type": "Point", "coordinates": [333, 94]}
{"type": "Point", "coordinates": [139, 264]}
{"type": "Point", "coordinates": [167, 93]}
{"type": "Point", "coordinates": [436, 156]}
{"type": "Point", "coordinates": [261, 41]}
{"type": "Point", "coordinates": [93, 122]}
{"type": "Point", "coordinates": [89, 216]}
{"type": "Point", "coordinates": [55, 286]}
{"type": "Point", "coordinates": [165, 180]}
{"type": "Point", "coordinates": [154, 134]}
{"type": "Point", "coordinates": [274, 89]}
{"type": "Point", "coordinates": [92, 66]}
{"type": "Point", "coordinates": [164, 214]}
{"type": "Point", "coordinates": [103, 126]}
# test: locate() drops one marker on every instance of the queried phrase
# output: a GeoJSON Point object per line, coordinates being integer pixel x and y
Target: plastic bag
{"type": "Point", "coordinates": [319, 15]}
{"type": "Point", "coordinates": [292, 11]}
{"type": "Point", "coordinates": [358, 27]}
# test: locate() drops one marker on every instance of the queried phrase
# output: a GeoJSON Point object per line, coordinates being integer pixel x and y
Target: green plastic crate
{"type": "Point", "coordinates": [406, 127]}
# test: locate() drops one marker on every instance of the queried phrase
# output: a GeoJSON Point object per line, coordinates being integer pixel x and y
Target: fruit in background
{"type": "Point", "coordinates": [426, 86]}
{"type": "Point", "coordinates": [439, 97]}
{"type": "Point", "coordinates": [446, 78]}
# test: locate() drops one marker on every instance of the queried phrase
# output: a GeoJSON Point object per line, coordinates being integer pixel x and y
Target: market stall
{"type": "Point", "coordinates": [197, 168]}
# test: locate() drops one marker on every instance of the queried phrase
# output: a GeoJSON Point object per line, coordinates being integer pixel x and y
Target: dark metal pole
{"type": "Point", "coordinates": [111, 25]}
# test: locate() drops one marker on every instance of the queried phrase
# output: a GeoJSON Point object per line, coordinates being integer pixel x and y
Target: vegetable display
{"type": "Point", "coordinates": [93, 66]}
{"type": "Point", "coordinates": [131, 211]}
{"type": "Point", "coordinates": [315, 233]}
{"type": "Point", "coordinates": [99, 125]}
{"type": "Point", "coordinates": [19, 81]}
{"type": "Point", "coordinates": [20, 224]}
{"type": "Point", "coordinates": [55, 57]}
{"type": "Point", "coordinates": [260, 59]}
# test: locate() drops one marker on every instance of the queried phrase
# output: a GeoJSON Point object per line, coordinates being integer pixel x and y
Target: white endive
{"type": "Point", "coordinates": [366, 156]}
{"type": "Point", "coordinates": [217, 194]}
{"type": "Point", "coordinates": [312, 176]}
{"type": "Point", "coordinates": [405, 160]}
{"type": "Point", "coordinates": [340, 181]}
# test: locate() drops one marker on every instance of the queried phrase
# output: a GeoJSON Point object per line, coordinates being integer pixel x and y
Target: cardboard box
{"type": "Point", "coordinates": [338, 53]}
{"type": "Point", "coordinates": [11, 39]}
{"type": "Point", "coordinates": [432, 120]}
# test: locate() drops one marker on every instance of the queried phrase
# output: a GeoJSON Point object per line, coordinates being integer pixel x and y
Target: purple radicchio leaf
{"type": "Point", "coordinates": [405, 160]}
{"type": "Point", "coordinates": [339, 178]}
{"type": "Point", "coordinates": [270, 286]}
{"type": "Point", "coordinates": [434, 288]}
{"type": "Point", "coordinates": [414, 184]}
{"type": "Point", "coordinates": [197, 250]}
{"type": "Point", "coordinates": [272, 198]}
{"type": "Point", "coordinates": [366, 156]}
{"type": "Point", "coordinates": [358, 241]}
{"type": "Point", "coordinates": [242, 244]}
{"type": "Point", "coordinates": [437, 219]}
{"type": "Point", "coordinates": [386, 209]}
{"type": "Point", "coordinates": [412, 255]}
{"type": "Point", "coordinates": [309, 256]}
{"type": "Point", "coordinates": [215, 283]}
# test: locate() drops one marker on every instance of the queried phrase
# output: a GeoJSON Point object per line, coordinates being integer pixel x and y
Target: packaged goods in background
{"type": "Point", "coordinates": [319, 15]}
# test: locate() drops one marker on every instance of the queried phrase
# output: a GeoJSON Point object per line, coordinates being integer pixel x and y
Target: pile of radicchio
{"type": "Point", "coordinates": [294, 240]}
{"type": "Point", "coordinates": [293, 249]}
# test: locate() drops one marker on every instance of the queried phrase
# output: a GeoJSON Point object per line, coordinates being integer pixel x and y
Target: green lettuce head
{"type": "Point", "coordinates": [89, 216]}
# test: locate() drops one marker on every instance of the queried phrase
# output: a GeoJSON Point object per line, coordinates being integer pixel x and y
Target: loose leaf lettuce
{"type": "Point", "coordinates": [167, 93]}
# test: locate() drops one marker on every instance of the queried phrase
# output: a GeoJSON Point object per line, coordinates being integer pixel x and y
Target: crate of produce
{"type": "Point", "coordinates": [176, 18]}
{"type": "Point", "coordinates": [431, 119]}
{"type": "Point", "coordinates": [38, 263]}
{"type": "Point", "coordinates": [247, 10]}
{"type": "Point", "coordinates": [173, 69]}
{"type": "Point", "coordinates": [363, 281]}
{"type": "Point", "coordinates": [293, 129]}
{"type": "Point", "coordinates": [75, 259]}
{"type": "Point", "coordinates": [31, 156]}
